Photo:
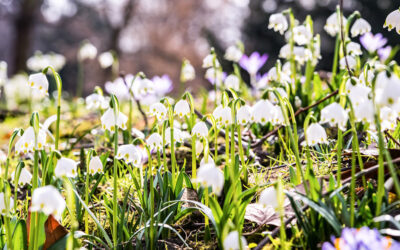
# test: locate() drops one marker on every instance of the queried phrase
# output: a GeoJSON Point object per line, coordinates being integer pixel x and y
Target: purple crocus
{"type": "Point", "coordinates": [253, 63]}
{"type": "Point", "coordinates": [362, 238]}
{"type": "Point", "coordinates": [384, 53]}
{"type": "Point", "coordinates": [162, 85]}
{"type": "Point", "coordinates": [372, 42]}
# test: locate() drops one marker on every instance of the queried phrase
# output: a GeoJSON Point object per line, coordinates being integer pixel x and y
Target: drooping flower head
{"type": "Point", "coordinates": [66, 167]}
{"type": "Point", "coordinates": [360, 27]}
{"type": "Point", "coordinates": [393, 21]}
{"type": "Point", "coordinates": [155, 141]}
{"type": "Point", "coordinates": [332, 26]}
{"type": "Point", "coordinates": [87, 51]}
{"type": "Point", "coordinates": [26, 142]}
{"type": "Point", "coordinates": [232, 241]}
{"type": "Point", "coordinates": [200, 130]}
{"type": "Point", "coordinates": [335, 115]}
{"type": "Point", "coordinates": [278, 22]}
{"type": "Point", "coordinates": [130, 154]}
{"type": "Point", "coordinates": [25, 177]}
{"type": "Point", "coordinates": [3, 203]}
{"type": "Point", "coordinates": [39, 83]}
{"type": "Point", "coordinates": [253, 63]}
{"type": "Point", "coordinates": [315, 134]}
{"type": "Point", "coordinates": [182, 108]}
{"type": "Point", "coordinates": [233, 53]}
{"type": "Point", "coordinates": [95, 165]}
{"type": "Point", "coordinates": [48, 200]}
{"type": "Point", "coordinates": [208, 175]}
{"type": "Point", "coordinates": [108, 120]}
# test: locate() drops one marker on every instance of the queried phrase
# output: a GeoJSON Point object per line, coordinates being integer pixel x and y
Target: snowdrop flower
{"type": "Point", "coordinates": [66, 167]}
{"type": "Point", "coordinates": [162, 85]}
{"type": "Point", "coordinates": [95, 101]}
{"type": "Point", "coordinates": [87, 51]}
{"type": "Point", "coordinates": [302, 35]}
{"type": "Point", "coordinates": [40, 61]}
{"type": "Point", "coordinates": [334, 114]}
{"type": "Point", "coordinates": [393, 21]}
{"type": "Point", "coordinates": [159, 111]}
{"type": "Point", "coordinates": [108, 120]}
{"type": "Point", "coordinates": [316, 134]}
{"type": "Point", "coordinates": [278, 22]}
{"type": "Point", "coordinates": [3, 157]}
{"type": "Point", "coordinates": [389, 93]}
{"type": "Point", "coordinates": [200, 130]}
{"type": "Point", "coordinates": [26, 142]}
{"type": "Point", "coordinates": [282, 92]}
{"type": "Point", "coordinates": [215, 76]}
{"type": "Point", "coordinates": [39, 82]}
{"type": "Point", "coordinates": [233, 82]}
{"type": "Point", "coordinates": [243, 115]}
{"type": "Point", "coordinates": [366, 77]}
{"type": "Point", "coordinates": [354, 49]}
{"type": "Point", "coordinates": [118, 88]}
{"type": "Point", "coordinates": [332, 26]}
{"type": "Point", "coordinates": [208, 175]}
{"type": "Point", "coordinates": [106, 59]}
{"type": "Point", "coordinates": [155, 141]}
{"type": "Point", "coordinates": [284, 52]}
{"type": "Point", "coordinates": [208, 62]}
{"type": "Point", "coordinates": [178, 136]}
{"type": "Point", "coordinates": [384, 53]}
{"type": "Point", "coordinates": [231, 242]}
{"type": "Point", "coordinates": [222, 115]}
{"type": "Point", "coordinates": [142, 87]}
{"type": "Point", "coordinates": [301, 54]}
{"type": "Point", "coordinates": [352, 63]}
{"type": "Point", "coordinates": [387, 119]}
{"type": "Point", "coordinates": [210, 160]}
{"type": "Point", "coordinates": [3, 203]}
{"type": "Point", "coordinates": [187, 72]}
{"type": "Point", "coordinates": [278, 119]}
{"type": "Point", "coordinates": [182, 108]}
{"type": "Point", "coordinates": [262, 112]}
{"type": "Point", "coordinates": [95, 165]}
{"type": "Point", "coordinates": [253, 63]}
{"type": "Point", "coordinates": [269, 197]}
{"type": "Point", "coordinates": [372, 42]}
{"type": "Point", "coordinates": [233, 53]}
{"type": "Point", "coordinates": [130, 154]}
{"type": "Point", "coordinates": [360, 27]}
{"type": "Point", "coordinates": [297, 102]}
{"type": "Point", "coordinates": [364, 112]}
{"type": "Point", "coordinates": [199, 148]}
{"type": "Point", "coordinates": [48, 200]}
{"type": "Point", "coordinates": [25, 177]}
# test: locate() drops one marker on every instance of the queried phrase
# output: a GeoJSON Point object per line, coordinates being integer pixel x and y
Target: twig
{"type": "Point", "coordinates": [342, 36]}
{"type": "Point", "coordinates": [299, 111]}
{"type": "Point", "coordinates": [392, 138]}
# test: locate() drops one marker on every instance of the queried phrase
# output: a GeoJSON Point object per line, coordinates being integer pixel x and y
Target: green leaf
{"type": "Point", "coordinates": [20, 236]}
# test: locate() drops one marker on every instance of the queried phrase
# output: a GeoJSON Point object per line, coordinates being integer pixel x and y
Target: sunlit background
{"type": "Point", "coordinates": [154, 36]}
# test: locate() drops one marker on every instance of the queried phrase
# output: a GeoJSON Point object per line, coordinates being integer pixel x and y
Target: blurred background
{"type": "Point", "coordinates": [154, 36]}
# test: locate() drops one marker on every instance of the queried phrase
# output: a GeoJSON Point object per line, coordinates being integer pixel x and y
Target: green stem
{"type": "Point", "coordinates": [115, 193]}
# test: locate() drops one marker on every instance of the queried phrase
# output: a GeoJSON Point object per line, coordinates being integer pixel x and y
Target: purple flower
{"type": "Point", "coordinates": [362, 238]}
{"type": "Point", "coordinates": [262, 81]}
{"type": "Point", "coordinates": [253, 63]}
{"type": "Point", "coordinates": [384, 53]}
{"type": "Point", "coordinates": [373, 42]}
{"type": "Point", "coordinates": [162, 85]}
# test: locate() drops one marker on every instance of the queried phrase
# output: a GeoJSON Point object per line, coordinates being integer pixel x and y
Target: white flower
{"type": "Point", "coordinates": [364, 112]}
{"type": "Point", "coordinates": [278, 119]}
{"type": "Point", "coordinates": [200, 130]}
{"type": "Point", "coordinates": [130, 154]}
{"type": "Point", "coordinates": [199, 148]}
{"type": "Point", "coordinates": [351, 61]}
{"type": "Point", "coordinates": [187, 73]}
{"type": "Point", "coordinates": [297, 102]}
{"type": "Point", "coordinates": [315, 134]}
{"type": "Point", "coordinates": [301, 54]}
{"type": "Point", "coordinates": [39, 82]}
{"type": "Point", "coordinates": [354, 49]}
{"type": "Point", "coordinates": [360, 27]}
{"type": "Point", "coordinates": [278, 22]}
{"type": "Point", "coordinates": [282, 93]}
{"type": "Point", "coordinates": [155, 141]}
{"type": "Point", "coordinates": [393, 21]}
{"type": "Point", "coordinates": [95, 165]}
{"type": "Point", "coordinates": [48, 200]}
{"type": "Point", "coordinates": [208, 62]}
{"type": "Point", "coordinates": [334, 114]}
{"type": "Point", "coordinates": [66, 167]}
{"type": "Point", "coordinates": [233, 82]}
{"type": "Point", "coordinates": [3, 203]}
{"type": "Point", "coordinates": [269, 197]}
{"type": "Point", "coordinates": [182, 108]}
{"type": "Point", "coordinates": [285, 52]}
{"type": "Point", "coordinates": [231, 242]}
{"type": "Point", "coordinates": [223, 115]}
{"type": "Point", "coordinates": [387, 119]}
{"type": "Point", "coordinates": [210, 160]}
{"type": "Point", "coordinates": [87, 51]}
{"type": "Point", "coordinates": [39, 61]}
{"type": "Point", "coordinates": [118, 88]}
{"type": "Point", "coordinates": [215, 76]}
{"type": "Point", "coordinates": [302, 35]}
{"type": "Point", "coordinates": [262, 112]}
{"type": "Point", "coordinates": [158, 110]}
{"type": "Point", "coordinates": [233, 53]}
{"type": "Point", "coordinates": [366, 77]}
{"type": "Point", "coordinates": [208, 175]}
{"type": "Point", "coordinates": [142, 87]}
{"type": "Point", "coordinates": [108, 120]}
{"type": "Point", "coordinates": [3, 73]}
{"type": "Point", "coordinates": [25, 177]}
{"type": "Point", "coordinates": [243, 115]}
{"type": "Point", "coordinates": [3, 157]}
{"type": "Point", "coordinates": [106, 59]}
{"type": "Point", "coordinates": [95, 101]}
{"type": "Point", "coordinates": [388, 91]}
{"type": "Point", "coordinates": [332, 26]}
{"type": "Point", "coordinates": [26, 143]}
